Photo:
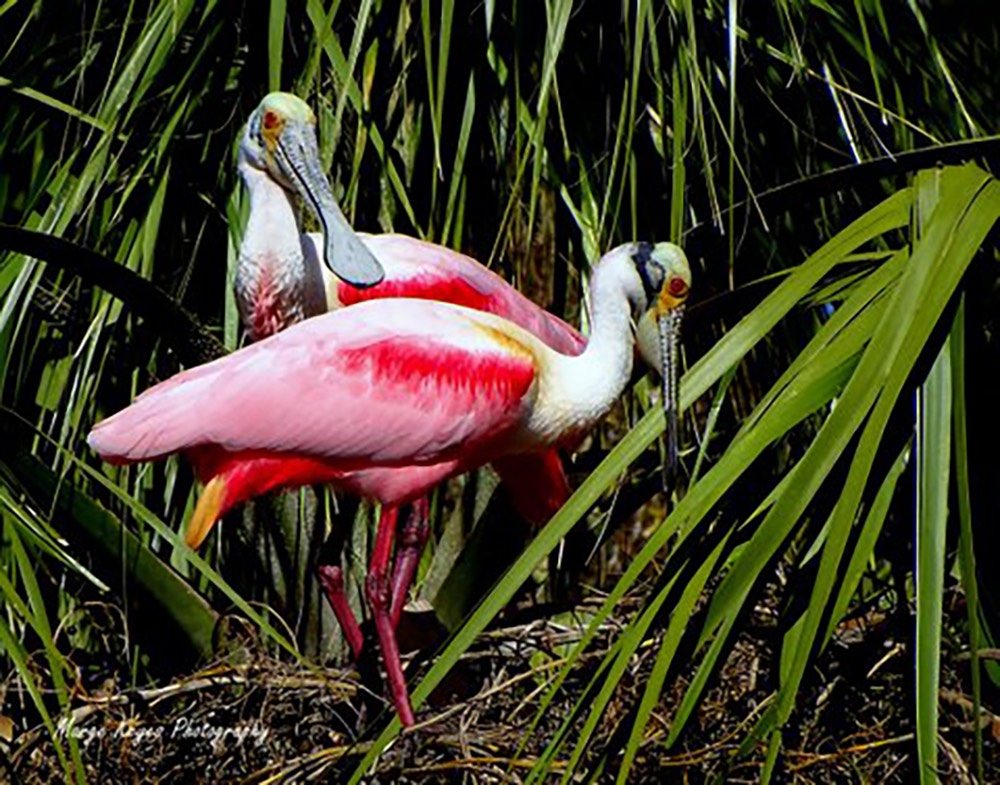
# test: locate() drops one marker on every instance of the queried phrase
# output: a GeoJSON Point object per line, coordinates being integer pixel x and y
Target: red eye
{"type": "Point", "coordinates": [271, 119]}
{"type": "Point", "coordinates": [678, 288]}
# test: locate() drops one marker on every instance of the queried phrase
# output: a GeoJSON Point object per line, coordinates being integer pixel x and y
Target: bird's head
{"type": "Point", "coordinates": [665, 276]}
{"type": "Point", "coordinates": [280, 135]}
{"type": "Point", "coordinates": [280, 140]}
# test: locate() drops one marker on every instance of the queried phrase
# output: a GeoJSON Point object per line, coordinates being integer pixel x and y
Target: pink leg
{"type": "Point", "coordinates": [332, 579]}
{"type": "Point", "coordinates": [379, 590]}
{"type": "Point", "coordinates": [412, 539]}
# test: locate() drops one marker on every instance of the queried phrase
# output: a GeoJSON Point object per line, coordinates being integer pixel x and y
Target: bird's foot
{"type": "Point", "coordinates": [332, 578]}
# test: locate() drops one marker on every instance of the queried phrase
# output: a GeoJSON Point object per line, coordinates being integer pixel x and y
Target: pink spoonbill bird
{"type": "Point", "coordinates": [281, 279]}
{"type": "Point", "coordinates": [350, 397]}
{"type": "Point", "coordinates": [274, 289]}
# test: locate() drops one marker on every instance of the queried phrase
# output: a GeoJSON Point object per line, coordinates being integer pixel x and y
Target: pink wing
{"type": "Point", "coordinates": [414, 268]}
{"type": "Point", "coordinates": [382, 383]}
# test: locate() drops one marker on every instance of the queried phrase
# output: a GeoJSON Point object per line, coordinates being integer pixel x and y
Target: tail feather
{"type": "Point", "coordinates": [210, 507]}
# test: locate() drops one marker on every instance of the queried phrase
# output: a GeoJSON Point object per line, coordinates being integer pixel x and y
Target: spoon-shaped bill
{"type": "Point", "coordinates": [669, 331]}
{"type": "Point", "coordinates": [658, 339]}
{"type": "Point", "coordinates": [297, 154]}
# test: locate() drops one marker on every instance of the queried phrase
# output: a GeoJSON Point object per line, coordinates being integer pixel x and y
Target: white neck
{"type": "Point", "coordinates": [273, 218]}
{"type": "Point", "coordinates": [275, 283]}
{"type": "Point", "coordinates": [577, 391]}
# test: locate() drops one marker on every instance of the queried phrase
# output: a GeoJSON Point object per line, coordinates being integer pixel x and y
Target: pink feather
{"type": "Point", "coordinates": [375, 386]}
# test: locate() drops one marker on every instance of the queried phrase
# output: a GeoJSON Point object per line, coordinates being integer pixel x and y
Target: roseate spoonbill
{"type": "Point", "coordinates": [280, 280]}
{"type": "Point", "coordinates": [279, 277]}
{"type": "Point", "coordinates": [349, 397]}
{"type": "Point", "coordinates": [282, 145]}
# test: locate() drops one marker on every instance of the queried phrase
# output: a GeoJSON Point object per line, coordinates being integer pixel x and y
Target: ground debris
{"type": "Point", "coordinates": [260, 720]}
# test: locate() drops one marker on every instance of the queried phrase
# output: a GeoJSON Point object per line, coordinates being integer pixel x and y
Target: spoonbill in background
{"type": "Point", "coordinates": [268, 280]}
{"type": "Point", "coordinates": [280, 280]}
{"type": "Point", "coordinates": [397, 389]}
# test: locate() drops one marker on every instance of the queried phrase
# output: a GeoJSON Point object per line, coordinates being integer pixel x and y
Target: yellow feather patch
{"type": "Point", "coordinates": [206, 512]}
{"type": "Point", "coordinates": [666, 302]}
{"type": "Point", "coordinates": [508, 342]}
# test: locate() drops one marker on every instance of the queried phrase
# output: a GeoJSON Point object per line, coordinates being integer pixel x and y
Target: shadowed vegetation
{"type": "Point", "coordinates": [827, 168]}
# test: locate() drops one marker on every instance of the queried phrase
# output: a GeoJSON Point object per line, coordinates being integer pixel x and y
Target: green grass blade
{"type": "Point", "coordinates": [623, 142]}
{"type": "Point", "coordinates": [870, 57]}
{"type": "Point", "coordinates": [38, 618]}
{"type": "Point", "coordinates": [865, 546]}
{"type": "Point", "coordinates": [934, 413]}
{"type": "Point", "coordinates": [54, 103]}
{"type": "Point", "coordinates": [773, 750]}
{"type": "Point", "coordinates": [444, 46]}
{"type": "Point", "coordinates": [557, 14]}
{"type": "Point", "coordinates": [731, 25]}
{"type": "Point", "coordinates": [678, 176]}
{"type": "Point", "coordinates": [966, 552]}
{"type": "Point", "coordinates": [665, 656]}
{"type": "Point", "coordinates": [349, 87]}
{"type": "Point", "coordinates": [713, 415]}
{"type": "Point", "coordinates": [969, 205]}
{"type": "Point", "coordinates": [346, 73]}
{"type": "Point", "coordinates": [160, 586]}
{"type": "Point", "coordinates": [458, 167]}
{"type": "Point", "coordinates": [13, 649]}
{"type": "Point", "coordinates": [275, 40]}
{"type": "Point", "coordinates": [432, 86]}
{"type": "Point", "coordinates": [617, 663]}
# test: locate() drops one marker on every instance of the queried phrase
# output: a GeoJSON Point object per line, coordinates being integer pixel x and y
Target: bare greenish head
{"type": "Point", "coordinates": [280, 139]}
